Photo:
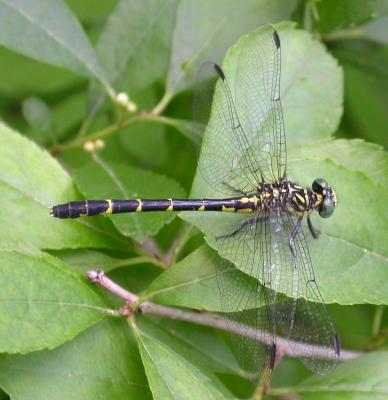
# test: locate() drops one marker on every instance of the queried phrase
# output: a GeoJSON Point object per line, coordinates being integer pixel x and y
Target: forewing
{"type": "Point", "coordinates": [243, 143]}
{"type": "Point", "coordinates": [224, 160]}
{"type": "Point", "coordinates": [257, 88]}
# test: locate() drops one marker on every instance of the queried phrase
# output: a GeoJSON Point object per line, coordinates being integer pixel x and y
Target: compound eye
{"type": "Point", "coordinates": [319, 185]}
{"type": "Point", "coordinates": [327, 208]}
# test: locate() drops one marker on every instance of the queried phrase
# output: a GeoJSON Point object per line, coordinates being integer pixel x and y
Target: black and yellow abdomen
{"type": "Point", "coordinates": [75, 209]}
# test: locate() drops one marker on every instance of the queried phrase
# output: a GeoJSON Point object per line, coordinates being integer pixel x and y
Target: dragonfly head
{"type": "Point", "coordinates": [329, 199]}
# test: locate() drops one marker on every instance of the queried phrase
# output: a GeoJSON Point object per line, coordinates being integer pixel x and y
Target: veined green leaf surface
{"type": "Point", "coordinates": [332, 15]}
{"type": "Point", "coordinates": [363, 378]}
{"type": "Point", "coordinates": [102, 362]}
{"type": "Point", "coordinates": [173, 368]}
{"type": "Point", "coordinates": [356, 155]}
{"type": "Point", "coordinates": [43, 302]}
{"type": "Point", "coordinates": [31, 181]}
{"type": "Point", "coordinates": [49, 32]}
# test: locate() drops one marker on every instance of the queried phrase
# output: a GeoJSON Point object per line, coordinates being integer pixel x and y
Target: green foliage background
{"type": "Point", "coordinates": [62, 65]}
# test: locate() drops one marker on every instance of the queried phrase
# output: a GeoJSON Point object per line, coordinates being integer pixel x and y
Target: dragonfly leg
{"type": "Point", "coordinates": [291, 238]}
{"type": "Point", "coordinates": [314, 232]}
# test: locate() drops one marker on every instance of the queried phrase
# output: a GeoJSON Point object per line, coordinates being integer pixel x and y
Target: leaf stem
{"type": "Point", "coordinates": [377, 319]}
{"type": "Point", "coordinates": [163, 103]}
{"type": "Point", "coordinates": [283, 346]}
{"type": "Point", "coordinates": [286, 392]}
{"type": "Point", "coordinates": [137, 260]}
{"type": "Point", "coordinates": [99, 278]}
{"type": "Point", "coordinates": [344, 35]}
{"type": "Point", "coordinates": [179, 243]}
{"type": "Point", "coordinates": [80, 140]}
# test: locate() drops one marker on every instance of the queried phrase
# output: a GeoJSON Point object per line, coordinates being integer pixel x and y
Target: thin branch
{"type": "Point", "coordinates": [283, 346]}
{"type": "Point", "coordinates": [345, 34]}
{"type": "Point", "coordinates": [150, 248]}
{"type": "Point", "coordinates": [163, 103]}
{"type": "Point", "coordinates": [100, 279]}
{"type": "Point", "coordinates": [178, 244]}
{"type": "Point", "coordinates": [126, 262]}
{"type": "Point", "coordinates": [79, 141]}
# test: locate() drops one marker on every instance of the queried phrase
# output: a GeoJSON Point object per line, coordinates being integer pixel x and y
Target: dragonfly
{"type": "Point", "coordinates": [244, 157]}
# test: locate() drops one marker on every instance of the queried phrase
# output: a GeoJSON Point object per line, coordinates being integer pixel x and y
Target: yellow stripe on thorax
{"type": "Point", "coordinates": [300, 198]}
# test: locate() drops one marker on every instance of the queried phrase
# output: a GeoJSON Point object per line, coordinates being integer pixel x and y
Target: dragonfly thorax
{"type": "Point", "coordinates": [294, 198]}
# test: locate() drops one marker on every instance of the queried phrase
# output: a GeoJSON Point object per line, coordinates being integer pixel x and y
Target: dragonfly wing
{"type": "Point", "coordinates": [243, 142]}
{"type": "Point", "coordinates": [306, 323]}
{"type": "Point", "coordinates": [223, 159]}
{"type": "Point", "coordinates": [257, 92]}
{"type": "Point", "coordinates": [247, 305]}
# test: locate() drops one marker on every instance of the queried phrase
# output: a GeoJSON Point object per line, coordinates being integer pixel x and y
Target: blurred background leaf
{"type": "Point", "coordinates": [366, 83]}
{"type": "Point", "coordinates": [54, 35]}
{"type": "Point", "coordinates": [28, 190]}
{"type": "Point", "coordinates": [67, 306]}
{"type": "Point", "coordinates": [331, 15]}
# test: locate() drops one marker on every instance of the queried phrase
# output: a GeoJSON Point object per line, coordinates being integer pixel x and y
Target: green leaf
{"type": "Point", "coordinates": [211, 27]}
{"type": "Point", "coordinates": [192, 282]}
{"type": "Point", "coordinates": [173, 368]}
{"type": "Point", "coordinates": [333, 15]}
{"type": "Point", "coordinates": [205, 349]}
{"type": "Point", "coordinates": [378, 29]}
{"type": "Point", "coordinates": [102, 180]}
{"type": "Point", "coordinates": [366, 82]}
{"type": "Point", "coordinates": [68, 115]}
{"type": "Point", "coordinates": [203, 340]}
{"type": "Point", "coordinates": [355, 155]}
{"type": "Point", "coordinates": [359, 379]}
{"type": "Point", "coordinates": [43, 302]}
{"type": "Point", "coordinates": [189, 129]}
{"type": "Point", "coordinates": [31, 181]}
{"type": "Point", "coordinates": [310, 113]}
{"type": "Point", "coordinates": [90, 11]}
{"type": "Point", "coordinates": [102, 362]}
{"type": "Point", "coordinates": [49, 32]}
{"type": "Point", "coordinates": [144, 142]}
{"type": "Point", "coordinates": [39, 116]}
{"type": "Point", "coordinates": [23, 76]}
{"type": "Point", "coordinates": [84, 260]}
{"type": "Point", "coordinates": [137, 36]}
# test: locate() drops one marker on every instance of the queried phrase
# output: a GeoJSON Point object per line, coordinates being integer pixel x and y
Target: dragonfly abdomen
{"type": "Point", "coordinates": [77, 209]}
